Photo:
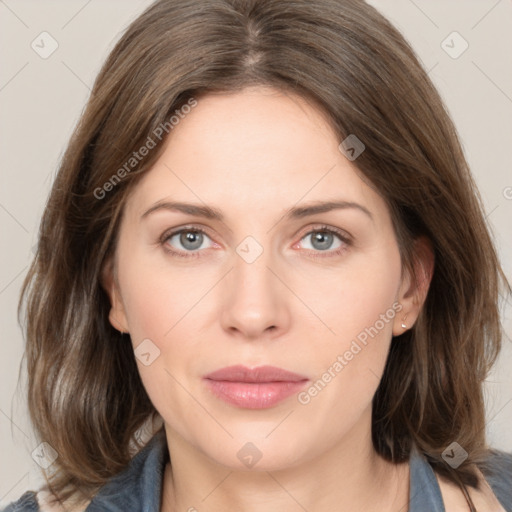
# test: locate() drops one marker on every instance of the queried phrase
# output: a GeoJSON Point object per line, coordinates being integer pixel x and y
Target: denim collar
{"type": "Point", "coordinates": [424, 490]}
{"type": "Point", "coordinates": [139, 486]}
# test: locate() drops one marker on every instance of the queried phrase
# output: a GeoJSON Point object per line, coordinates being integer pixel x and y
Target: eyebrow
{"type": "Point", "coordinates": [297, 212]}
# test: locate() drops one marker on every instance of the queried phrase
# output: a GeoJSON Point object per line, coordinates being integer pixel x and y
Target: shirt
{"type": "Point", "coordinates": [138, 487]}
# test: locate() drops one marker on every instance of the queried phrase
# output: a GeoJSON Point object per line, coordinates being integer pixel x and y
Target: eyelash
{"type": "Point", "coordinates": [344, 238]}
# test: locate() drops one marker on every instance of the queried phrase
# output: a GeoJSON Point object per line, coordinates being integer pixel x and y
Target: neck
{"type": "Point", "coordinates": [351, 476]}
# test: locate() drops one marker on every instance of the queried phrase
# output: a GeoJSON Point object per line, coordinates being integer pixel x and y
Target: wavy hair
{"type": "Point", "coordinates": [85, 396]}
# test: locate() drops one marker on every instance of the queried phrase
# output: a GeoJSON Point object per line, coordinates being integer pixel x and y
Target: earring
{"type": "Point", "coordinates": [403, 323]}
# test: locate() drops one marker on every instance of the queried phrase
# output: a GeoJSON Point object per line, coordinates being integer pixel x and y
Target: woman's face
{"type": "Point", "coordinates": [268, 283]}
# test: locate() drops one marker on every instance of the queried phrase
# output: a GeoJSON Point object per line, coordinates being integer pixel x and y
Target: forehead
{"type": "Point", "coordinates": [259, 149]}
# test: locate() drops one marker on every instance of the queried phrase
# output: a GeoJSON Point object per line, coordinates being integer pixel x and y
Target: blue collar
{"type": "Point", "coordinates": [424, 490]}
{"type": "Point", "coordinates": [139, 486]}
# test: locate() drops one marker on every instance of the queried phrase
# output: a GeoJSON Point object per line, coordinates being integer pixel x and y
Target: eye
{"type": "Point", "coordinates": [188, 241]}
{"type": "Point", "coordinates": [185, 240]}
{"type": "Point", "coordinates": [325, 239]}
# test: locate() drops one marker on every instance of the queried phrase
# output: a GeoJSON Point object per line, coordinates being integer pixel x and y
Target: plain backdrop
{"type": "Point", "coordinates": [41, 100]}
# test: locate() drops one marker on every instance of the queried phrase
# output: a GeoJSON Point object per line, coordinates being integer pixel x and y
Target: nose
{"type": "Point", "coordinates": [254, 304]}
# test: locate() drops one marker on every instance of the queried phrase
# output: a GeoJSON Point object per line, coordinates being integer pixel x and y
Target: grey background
{"type": "Point", "coordinates": [41, 100]}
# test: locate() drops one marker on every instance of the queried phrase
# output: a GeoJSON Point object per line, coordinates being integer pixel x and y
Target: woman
{"type": "Point", "coordinates": [265, 246]}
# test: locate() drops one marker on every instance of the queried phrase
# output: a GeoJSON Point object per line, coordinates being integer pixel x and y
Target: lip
{"type": "Point", "coordinates": [254, 388]}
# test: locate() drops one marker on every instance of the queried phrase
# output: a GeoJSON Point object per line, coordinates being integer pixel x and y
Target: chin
{"type": "Point", "coordinates": [258, 453]}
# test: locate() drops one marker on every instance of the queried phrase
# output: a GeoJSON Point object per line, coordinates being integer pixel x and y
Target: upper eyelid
{"type": "Point", "coordinates": [168, 233]}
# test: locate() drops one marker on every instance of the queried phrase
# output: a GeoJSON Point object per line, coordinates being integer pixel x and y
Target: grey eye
{"type": "Point", "coordinates": [189, 239]}
{"type": "Point", "coordinates": [322, 240]}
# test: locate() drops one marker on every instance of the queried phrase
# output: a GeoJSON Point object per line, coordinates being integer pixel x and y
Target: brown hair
{"type": "Point", "coordinates": [85, 395]}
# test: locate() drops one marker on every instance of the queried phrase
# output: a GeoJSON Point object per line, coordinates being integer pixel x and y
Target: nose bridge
{"type": "Point", "coordinates": [253, 297]}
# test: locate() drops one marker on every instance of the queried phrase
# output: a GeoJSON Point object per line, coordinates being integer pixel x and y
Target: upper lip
{"type": "Point", "coordinates": [241, 373]}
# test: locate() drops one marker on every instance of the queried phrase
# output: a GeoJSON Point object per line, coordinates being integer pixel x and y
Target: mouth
{"type": "Point", "coordinates": [256, 388]}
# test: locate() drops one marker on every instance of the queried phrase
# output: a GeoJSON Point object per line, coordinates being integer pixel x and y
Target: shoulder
{"type": "Point", "coordinates": [495, 486]}
{"type": "Point", "coordinates": [48, 503]}
{"type": "Point", "coordinates": [27, 503]}
{"type": "Point", "coordinates": [138, 483]}
{"type": "Point", "coordinates": [41, 501]}
{"type": "Point", "coordinates": [497, 471]}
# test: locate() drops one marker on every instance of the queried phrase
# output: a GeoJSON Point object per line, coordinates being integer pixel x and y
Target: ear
{"type": "Point", "coordinates": [413, 291]}
{"type": "Point", "coordinates": [117, 314]}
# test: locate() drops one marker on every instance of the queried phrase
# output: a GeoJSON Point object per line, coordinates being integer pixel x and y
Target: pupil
{"type": "Point", "coordinates": [191, 239]}
{"type": "Point", "coordinates": [324, 239]}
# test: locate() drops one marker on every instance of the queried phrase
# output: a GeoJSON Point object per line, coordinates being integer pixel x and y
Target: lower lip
{"type": "Point", "coordinates": [254, 395]}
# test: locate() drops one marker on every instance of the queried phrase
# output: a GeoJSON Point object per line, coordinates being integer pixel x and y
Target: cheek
{"type": "Point", "coordinates": [351, 298]}
{"type": "Point", "coordinates": [158, 296]}
{"type": "Point", "coordinates": [163, 306]}
{"type": "Point", "coordinates": [359, 303]}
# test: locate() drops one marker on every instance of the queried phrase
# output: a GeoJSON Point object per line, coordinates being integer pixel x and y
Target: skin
{"type": "Point", "coordinates": [254, 155]}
